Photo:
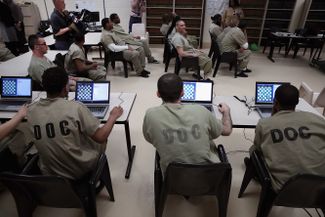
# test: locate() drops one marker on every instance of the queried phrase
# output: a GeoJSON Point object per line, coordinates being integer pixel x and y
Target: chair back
{"type": "Point", "coordinates": [306, 191]}
{"type": "Point", "coordinates": [52, 191]}
{"type": "Point", "coordinates": [320, 101]}
{"type": "Point", "coordinates": [194, 180]}
{"type": "Point", "coordinates": [306, 93]}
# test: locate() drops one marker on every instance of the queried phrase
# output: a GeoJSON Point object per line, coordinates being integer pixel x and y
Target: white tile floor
{"type": "Point", "coordinates": [134, 197]}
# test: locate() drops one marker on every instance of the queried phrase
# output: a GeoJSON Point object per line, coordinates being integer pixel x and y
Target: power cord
{"type": "Point", "coordinates": [247, 104]}
{"type": "Point", "coordinates": [245, 136]}
{"type": "Point", "coordinates": [120, 98]}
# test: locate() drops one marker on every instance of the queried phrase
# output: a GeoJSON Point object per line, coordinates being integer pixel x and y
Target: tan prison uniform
{"type": "Point", "coordinates": [233, 41]}
{"type": "Point", "coordinates": [128, 39]}
{"type": "Point", "coordinates": [292, 143]}
{"type": "Point", "coordinates": [75, 52]}
{"type": "Point", "coordinates": [204, 61]}
{"type": "Point", "coordinates": [37, 66]}
{"type": "Point", "coordinates": [61, 130]}
{"type": "Point", "coordinates": [5, 53]}
{"type": "Point", "coordinates": [215, 30]}
{"type": "Point", "coordinates": [136, 56]}
{"type": "Point", "coordinates": [182, 133]}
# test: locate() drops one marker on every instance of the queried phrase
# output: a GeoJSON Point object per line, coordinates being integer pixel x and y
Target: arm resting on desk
{"type": "Point", "coordinates": [10, 125]}
{"type": "Point", "coordinates": [226, 119]}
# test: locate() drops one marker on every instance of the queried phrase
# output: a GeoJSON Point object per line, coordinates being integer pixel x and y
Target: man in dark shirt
{"type": "Point", "coordinates": [62, 26]}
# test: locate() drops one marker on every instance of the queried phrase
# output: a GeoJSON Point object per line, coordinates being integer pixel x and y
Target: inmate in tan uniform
{"type": "Point", "coordinates": [136, 56]}
{"type": "Point", "coordinates": [292, 143]}
{"type": "Point", "coordinates": [61, 130]}
{"type": "Point", "coordinates": [37, 66]}
{"type": "Point", "coordinates": [233, 41]}
{"type": "Point", "coordinates": [75, 52]}
{"type": "Point", "coordinates": [215, 30]}
{"type": "Point", "coordinates": [128, 39]}
{"type": "Point", "coordinates": [5, 53]}
{"type": "Point", "coordinates": [204, 61]}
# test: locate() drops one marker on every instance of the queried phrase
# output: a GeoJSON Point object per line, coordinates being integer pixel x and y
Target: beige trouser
{"type": "Point", "coordinates": [243, 58]}
{"type": "Point", "coordinates": [205, 63]}
{"type": "Point", "coordinates": [146, 49]}
{"type": "Point", "coordinates": [98, 74]}
{"type": "Point", "coordinates": [137, 57]}
{"type": "Point", "coordinates": [72, 82]}
{"type": "Point", "coordinates": [5, 54]}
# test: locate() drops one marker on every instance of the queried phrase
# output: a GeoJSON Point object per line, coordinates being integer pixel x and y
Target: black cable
{"type": "Point", "coordinates": [318, 212]}
{"type": "Point", "coordinates": [248, 139]}
{"type": "Point", "coordinates": [307, 212]}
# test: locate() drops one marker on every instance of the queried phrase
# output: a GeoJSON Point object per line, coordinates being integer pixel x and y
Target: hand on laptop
{"type": "Point", "coordinates": [116, 112]}
{"type": "Point", "coordinates": [224, 108]}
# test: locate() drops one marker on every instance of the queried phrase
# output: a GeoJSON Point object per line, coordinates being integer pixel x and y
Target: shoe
{"type": "Point", "coordinates": [247, 70]}
{"type": "Point", "coordinates": [145, 71]}
{"type": "Point", "coordinates": [144, 74]}
{"type": "Point", "coordinates": [242, 74]}
{"type": "Point", "coordinates": [153, 60]}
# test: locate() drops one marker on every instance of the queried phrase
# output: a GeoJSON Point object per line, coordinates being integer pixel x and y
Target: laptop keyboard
{"type": "Point", "coordinates": [99, 109]}
{"type": "Point", "coordinates": [209, 107]}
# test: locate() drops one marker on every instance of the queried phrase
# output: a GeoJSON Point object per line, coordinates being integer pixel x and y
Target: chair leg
{"type": "Point", "coordinates": [214, 57]}
{"type": "Point", "coordinates": [264, 47]}
{"type": "Point", "coordinates": [113, 64]}
{"type": "Point", "coordinates": [167, 63]}
{"type": "Point", "coordinates": [25, 205]}
{"type": "Point", "coordinates": [125, 65]}
{"type": "Point", "coordinates": [162, 200]}
{"type": "Point", "coordinates": [157, 189]}
{"type": "Point", "coordinates": [295, 52]}
{"type": "Point", "coordinates": [223, 197]}
{"type": "Point", "coordinates": [249, 174]}
{"type": "Point", "coordinates": [216, 68]}
{"type": "Point", "coordinates": [265, 204]}
{"type": "Point", "coordinates": [106, 179]}
{"type": "Point", "coordinates": [210, 52]}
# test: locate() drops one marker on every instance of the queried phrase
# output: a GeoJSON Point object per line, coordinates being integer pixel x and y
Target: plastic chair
{"type": "Point", "coordinates": [169, 53]}
{"type": "Point", "coordinates": [225, 57]}
{"type": "Point", "coordinates": [194, 180]}
{"type": "Point", "coordinates": [187, 62]}
{"type": "Point", "coordinates": [320, 101]}
{"type": "Point", "coordinates": [29, 191]}
{"type": "Point", "coordinates": [111, 56]}
{"type": "Point", "coordinates": [293, 194]}
{"type": "Point", "coordinates": [212, 46]}
{"type": "Point", "coordinates": [274, 41]}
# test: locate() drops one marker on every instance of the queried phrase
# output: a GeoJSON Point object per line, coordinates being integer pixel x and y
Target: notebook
{"type": "Point", "coordinates": [15, 91]}
{"type": "Point", "coordinates": [264, 96]}
{"type": "Point", "coordinates": [200, 92]}
{"type": "Point", "coordinates": [95, 95]}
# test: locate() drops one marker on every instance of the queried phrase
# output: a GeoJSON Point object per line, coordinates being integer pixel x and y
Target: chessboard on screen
{"type": "Point", "coordinates": [89, 91]}
{"type": "Point", "coordinates": [16, 87]}
{"type": "Point", "coordinates": [265, 91]}
{"type": "Point", "coordinates": [197, 91]}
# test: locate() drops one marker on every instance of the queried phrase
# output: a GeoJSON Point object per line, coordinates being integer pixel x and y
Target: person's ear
{"type": "Point", "coordinates": [182, 93]}
{"type": "Point", "coordinates": [158, 94]}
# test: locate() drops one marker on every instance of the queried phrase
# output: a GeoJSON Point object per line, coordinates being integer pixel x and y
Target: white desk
{"type": "Point", "coordinates": [240, 115]}
{"type": "Point", "coordinates": [125, 100]}
{"type": "Point", "coordinates": [18, 66]}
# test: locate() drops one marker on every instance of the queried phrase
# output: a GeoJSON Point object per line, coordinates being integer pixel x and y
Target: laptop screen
{"type": "Point", "coordinates": [16, 87]}
{"type": "Point", "coordinates": [93, 92]}
{"type": "Point", "coordinates": [197, 91]}
{"type": "Point", "coordinates": [265, 91]}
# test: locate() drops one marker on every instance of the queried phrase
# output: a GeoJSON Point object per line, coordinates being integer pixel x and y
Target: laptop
{"type": "Point", "coordinates": [198, 92]}
{"type": "Point", "coordinates": [95, 95]}
{"type": "Point", "coordinates": [264, 96]}
{"type": "Point", "coordinates": [15, 92]}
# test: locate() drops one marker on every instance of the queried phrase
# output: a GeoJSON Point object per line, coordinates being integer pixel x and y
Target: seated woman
{"type": "Point", "coordinates": [215, 27]}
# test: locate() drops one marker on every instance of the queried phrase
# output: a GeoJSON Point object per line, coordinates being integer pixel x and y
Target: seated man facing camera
{"type": "Point", "coordinates": [183, 133]}
{"type": "Point", "coordinates": [69, 139]}
{"type": "Point", "coordinates": [292, 142]}
{"type": "Point", "coordinates": [76, 63]}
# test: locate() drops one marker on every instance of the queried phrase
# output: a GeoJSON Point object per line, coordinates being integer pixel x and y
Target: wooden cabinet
{"type": "Point", "coordinates": [191, 11]}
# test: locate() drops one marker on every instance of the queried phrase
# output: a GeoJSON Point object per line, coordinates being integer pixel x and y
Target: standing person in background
{"type": "Point", "coordinates": [233, 9]}
{"type": "Point", "coordinates": [138, 7]}
{"type": "Point", "coordinates": [62, 26]}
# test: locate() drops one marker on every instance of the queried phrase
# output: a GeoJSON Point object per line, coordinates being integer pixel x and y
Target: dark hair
{"type": "Point", "coordinates": [54, 80]}
{"type": "Point", "coordinates": [170, 87]}
{"type": "Point", "coordinates": [113, 16]}
{"type": "Point", "coordinates": [287, 96]}
{"type": "Point", "coordinates": [79, 38]}
{"type": "Point", "coordinates": [32, 41]}
{"type": "Point", "coordinates": [166, 18]}
{"type": "Point", "coordinates": [217, 19]}
{"type": "Point", "coordinates": [104, 22]}
{"type": "Point", "coordinates": [242, 24]}
{"type": "Point", "coordinates": [236, 3]}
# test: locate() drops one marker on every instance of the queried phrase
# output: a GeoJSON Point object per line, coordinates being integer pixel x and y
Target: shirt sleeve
{"type": "Point", "coordinates": [88, 123]}
{"type": "Point", "coordinates": [77, 54]}
{"type": "Point", "coordinates": [177, 41]}
{"type": "Point", "coordinates": [145, 128]}
{"type": "Point", "coordinates": [117, 48]}
{"type": "Point", "coordinates": [257, 139]}
{"type": "Point", "coordinates": [56, 23]}
{"type": "Point", "coordinates": [240, 38]}
{"type": "Point", "coordinates": [215, 126]}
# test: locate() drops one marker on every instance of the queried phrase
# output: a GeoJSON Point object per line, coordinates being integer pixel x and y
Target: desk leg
{"type": "Point", "coordinates": [130, 148]}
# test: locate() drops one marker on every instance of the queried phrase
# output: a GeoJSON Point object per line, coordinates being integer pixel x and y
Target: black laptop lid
{"type": "Point", "coordinates": [197, 91]}
{"type": "Point", "coordinates": [93, 92]}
